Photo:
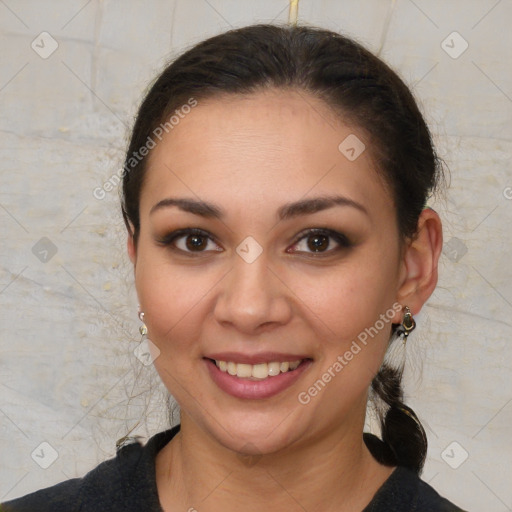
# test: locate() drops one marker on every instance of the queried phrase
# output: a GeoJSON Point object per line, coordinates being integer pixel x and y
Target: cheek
{"type": "Point", "coordinates": [350, 318]}
{"type": "Point", "coordinates": [348, 299]}
{"type": "Point", "coordinates": [175, 301]}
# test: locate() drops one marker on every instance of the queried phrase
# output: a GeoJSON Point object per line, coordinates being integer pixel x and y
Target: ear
{"type": "Point", "coordinates": [131, 247]}
{"type": "Point", "coordinates": [420, 261]}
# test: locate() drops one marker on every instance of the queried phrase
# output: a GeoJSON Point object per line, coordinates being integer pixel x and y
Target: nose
{"type": "Point", "coordinates": [253, 297]}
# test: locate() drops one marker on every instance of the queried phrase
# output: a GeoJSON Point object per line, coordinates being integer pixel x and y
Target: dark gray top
{"type": "Point", "coordinates": [127, 483]}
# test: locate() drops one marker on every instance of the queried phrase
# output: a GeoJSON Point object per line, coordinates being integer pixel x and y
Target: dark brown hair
{"type": "Point", "coordinates": [356, 85]}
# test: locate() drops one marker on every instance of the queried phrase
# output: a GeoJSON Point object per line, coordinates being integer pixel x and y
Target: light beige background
{"type": "Point", "coordinates": [68, 376]}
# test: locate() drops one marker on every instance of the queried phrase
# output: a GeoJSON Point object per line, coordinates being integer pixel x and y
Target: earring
{"type": "Point", "coordinates": [142, 328]}
{"type": "Point", "coordinates": [408, 323]}
{"type": "Point", "coordinates": [146, 352]}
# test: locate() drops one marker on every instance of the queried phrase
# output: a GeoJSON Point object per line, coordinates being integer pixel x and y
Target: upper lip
{"type": "Point", "coordinates": [262, 357]}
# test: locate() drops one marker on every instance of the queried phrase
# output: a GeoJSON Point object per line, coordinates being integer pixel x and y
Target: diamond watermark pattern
{"type": "Point", "coordinates": [44, 455]}
{"type": "Point", "coordinates": [455, 249]}
{"type": "Point", "coordinates": [44, 250]}
{"type": "Point", "coordinates": [44, 45]}
{"type": "Point", "coordinates": [351, 147]}
{"type": "Point", "coordinates": [249, 250]}
{"type": "Point", "coordinates": [146, 352]}
{"type": "Point", "coordinates": [454, 455]}
{"type": "Point", "coordinates": [250, 460]}
{"type": "Point", "coordinates": [454, 45]}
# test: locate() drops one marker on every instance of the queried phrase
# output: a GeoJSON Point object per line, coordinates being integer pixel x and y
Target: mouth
{"type": "Point", "coordinates": [257, 371]}
{"type": "Point", "coordinates": [256, 381]}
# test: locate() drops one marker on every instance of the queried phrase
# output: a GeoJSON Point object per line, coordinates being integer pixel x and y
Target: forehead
{"type": "Point", "coordinates": [268, 147]}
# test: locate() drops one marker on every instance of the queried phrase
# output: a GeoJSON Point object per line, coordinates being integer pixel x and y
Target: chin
{"type": "Point", "coordinates": [257, 433]}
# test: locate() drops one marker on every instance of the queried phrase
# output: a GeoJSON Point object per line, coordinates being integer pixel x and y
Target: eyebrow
{"type": "Point", "coordinates": [287, 211]}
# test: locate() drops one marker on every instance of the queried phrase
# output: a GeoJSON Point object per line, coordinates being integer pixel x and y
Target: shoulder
{"type": "Point", "coordinates": [405, 491]}
{"type": "Point", "coordinates": [124, 483]}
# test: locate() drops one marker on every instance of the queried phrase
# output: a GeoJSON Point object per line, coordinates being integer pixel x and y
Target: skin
{"type": "Point", "coordinates": [250, 155]}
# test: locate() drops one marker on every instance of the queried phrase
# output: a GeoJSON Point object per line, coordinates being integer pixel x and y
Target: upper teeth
{"type": "Point", "coordinates": [258, 371]}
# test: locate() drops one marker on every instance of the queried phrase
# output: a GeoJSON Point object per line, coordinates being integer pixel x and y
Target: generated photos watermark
{"type": "Point", "coordinates": [137, 156]}
{"type": "Point", "coordinates": [305, 397]}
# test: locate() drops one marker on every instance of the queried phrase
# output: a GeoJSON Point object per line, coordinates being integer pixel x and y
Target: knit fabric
{"type": "Point", "coordinates": [127, 483]}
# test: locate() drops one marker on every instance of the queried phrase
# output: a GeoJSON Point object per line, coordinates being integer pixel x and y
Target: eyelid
{"type": "Point", "coordinates": [341, 239]}
{"type": "Point", "coordinates": [169, 239]}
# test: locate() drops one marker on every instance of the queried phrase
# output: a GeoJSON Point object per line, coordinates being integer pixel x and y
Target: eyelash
{"type": "Point", "coordinates": [341, 239]}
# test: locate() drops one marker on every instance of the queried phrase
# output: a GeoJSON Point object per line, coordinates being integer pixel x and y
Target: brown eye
{"type": "Point", "coordinates": [196, 242]}
{"type": "Point", "coordinates": [320, 241]}
{"type": "Point", "coordinates": [189, 241]}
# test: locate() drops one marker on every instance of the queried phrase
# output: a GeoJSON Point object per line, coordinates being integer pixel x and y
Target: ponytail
{"type": "Point", "coordinates": [404, 442]}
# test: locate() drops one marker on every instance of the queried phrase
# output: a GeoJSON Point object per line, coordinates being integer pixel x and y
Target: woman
{"type": "Point", "coordinates": [274, 193]}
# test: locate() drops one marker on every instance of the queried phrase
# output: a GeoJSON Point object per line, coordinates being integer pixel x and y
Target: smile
{"type": "Point", "coordinates": [257, 371]}
{"type": "Point", "coordinates": [255, 381]}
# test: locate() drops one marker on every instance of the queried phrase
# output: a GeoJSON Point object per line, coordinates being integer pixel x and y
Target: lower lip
{"type": "Point", "coordinates": [255, 389]}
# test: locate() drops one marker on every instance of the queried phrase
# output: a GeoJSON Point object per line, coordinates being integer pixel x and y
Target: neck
{"type": "Point", "coordinates": [335, 473]}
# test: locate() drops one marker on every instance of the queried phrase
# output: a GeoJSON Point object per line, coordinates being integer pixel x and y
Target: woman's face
{"type": "Point", "coordinates": [251, 285]}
